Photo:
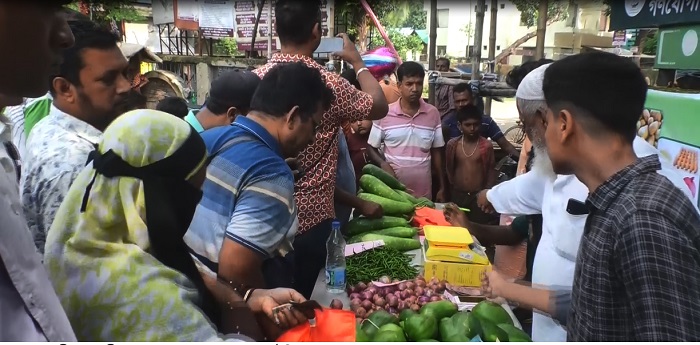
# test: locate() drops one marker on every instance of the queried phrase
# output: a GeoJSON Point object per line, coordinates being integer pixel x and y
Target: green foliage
{"type": "Point", "coordinates": [402, 43]}
{"type": "Point", "coordinates": [557, 10]}
{"type": "Point", "coordinates": [391, 13]}
{"type": "Point", "coordinates": [227, 46]}
{"type": "Point", "coordinates": [650, 43]}
{"type": "Point", "coordinates": [106, 11]}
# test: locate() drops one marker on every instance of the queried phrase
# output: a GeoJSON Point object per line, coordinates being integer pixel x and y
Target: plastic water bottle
{"type": "Point", "coordinates": [335, 260]}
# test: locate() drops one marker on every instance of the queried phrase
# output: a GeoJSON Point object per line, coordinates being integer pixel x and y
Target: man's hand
{"type": "Point", "coordinates": [387, 167]}
{"type": "Point", "coordinates": [440, 196]}
{"type": "Point", "coordinates": [294, 165]}
{"type": "Point", "coordinates": [484, 202]}
{"type": "Point", "coordinates": [263, 301]}
{"type": "Point", "coordinates": [492, 284]}
{"type": "Point", "coordinates": [349, 52]}
{"type": "Point", "coordinates": [371, 210]}
{"type": "Point", "coordinates": [455, 216]}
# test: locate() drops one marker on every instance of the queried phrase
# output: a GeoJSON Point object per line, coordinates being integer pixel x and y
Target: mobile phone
{"type": "Point", "coordinates": [576, 208]}
{"type": "Point", "coordinates": [330, 45]}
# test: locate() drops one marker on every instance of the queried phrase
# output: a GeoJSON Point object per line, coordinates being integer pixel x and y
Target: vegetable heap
{"type": "Point", "coordinates": [378, 186]}
{"type": "Point", "coordinates": [375, 263]}
{"type": "Point", "coordinates": [412, 294]}
{"type": "Point", "coordinates": [396, 232]}
{"type": "Point", "coordinates": [440, 321]}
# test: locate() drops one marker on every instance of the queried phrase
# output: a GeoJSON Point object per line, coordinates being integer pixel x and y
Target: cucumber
{"type": "Point", "coordinates": [361, 225]}
{"type": "Point", "coordinates": [425, 202]}
{"type": "Point", "coordinates": [410, 198]}
{"type": "Point", "coordinates": [398, 243]}
{"type": "Point", "coordinates": [403, 232]}
{"type": "Point", "coordinates": [373, 185]}
{"type": "Point", "coordinates": [390, 207]}
{"type": "Point", "coordinates": [377, 172]}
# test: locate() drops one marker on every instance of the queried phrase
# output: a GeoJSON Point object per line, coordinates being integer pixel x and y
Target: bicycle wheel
{"type": "Point", "coordinates": [515, 134]}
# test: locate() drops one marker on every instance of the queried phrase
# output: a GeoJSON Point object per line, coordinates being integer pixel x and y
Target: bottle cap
{"type": "Point", "coordinates": [335, 224]}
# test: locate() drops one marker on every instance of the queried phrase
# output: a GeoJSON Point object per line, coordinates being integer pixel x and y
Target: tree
{"type": "Point", "coordinates": [557, 10]}
{"type": "Point", "coordinates": [402, 43]}
{"type": "Point", "coordinates": [261, 4]}
{"type": "Point", "coordinates": [391, 14]}
{"type": "Point", "coordinates": [105, 12]}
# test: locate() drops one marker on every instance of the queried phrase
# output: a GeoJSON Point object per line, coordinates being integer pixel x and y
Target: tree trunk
{"type": "Point", "coordinates": [362, 32]}
{"type": "Point", "coordinates": [541, 28]}
{"type": "Point", "coordinates": [255, 28]}
{"type": "Point", "coordinates": [511, 48]}
{"type": "Point", "coordinates": [492, 50]}
{"type": "Point", "coordinates": [432, 48]}
{"type": "Point", "coordinates": [508, 51]}
{"type": "Point", "coordinates": [478, 36]}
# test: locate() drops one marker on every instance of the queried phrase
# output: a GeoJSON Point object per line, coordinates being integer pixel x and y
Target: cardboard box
{"type": "Point", "coordinates": [455, 273]}
{"type": "Point", "coordinates": [460, 274]}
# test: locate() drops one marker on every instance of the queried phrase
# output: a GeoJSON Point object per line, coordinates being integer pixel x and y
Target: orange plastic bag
{"type": "Point", "coordinates": [429, 216]}
{"type": "Point", "coordinates": [332, 325]}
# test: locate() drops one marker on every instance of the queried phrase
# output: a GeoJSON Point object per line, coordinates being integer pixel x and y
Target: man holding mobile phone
{"type": "Point", "coordinates": [298, 25]}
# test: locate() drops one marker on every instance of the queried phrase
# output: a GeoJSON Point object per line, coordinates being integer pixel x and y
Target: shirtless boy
{"type": "Point", "coordinates": [470, 164]}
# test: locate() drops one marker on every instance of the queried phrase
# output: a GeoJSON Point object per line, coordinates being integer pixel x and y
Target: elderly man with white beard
{"type": "Point", "coordinates": [560, 199]}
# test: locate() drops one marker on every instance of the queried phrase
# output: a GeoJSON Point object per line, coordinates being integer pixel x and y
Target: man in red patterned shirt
{"type": "Point", "coordinates": [298, 24]}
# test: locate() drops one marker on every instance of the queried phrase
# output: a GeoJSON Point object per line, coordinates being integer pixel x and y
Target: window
{"type": "Point", "coordinates": [443, 18]}
{"type": "Point", "coordinates": [498, 47]}
{"type": "Point", "coordinates": [503, 6]}
{"type": "Point", "coordinates": [441, 50]}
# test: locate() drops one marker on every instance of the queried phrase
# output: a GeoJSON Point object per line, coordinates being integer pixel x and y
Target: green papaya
{"type": "Point", "coordinates": [515, 334]}
{"type": "Point", "coordinates": [474, 326]}
{"type": "Point", "coordinates": [450, 333]}
{"type": "Point", "coordinates": [492, 333]}
{"type": "Point", "coordinates": [360, 335]}
{"type": "Point", "coordinates": [390, 333]}
{"type": "Point", "coordinates": [439, 309]}
{"type": "Point", "coordinates": [419, 327]}
{"type": "Point", "coordinates": [378, 319]}
{"type": "Point", "coordinates": [462, 321]}
{"type": "Point", "coordinates": [404, 314]}
{"type": "Point", "coordinates": [493, 312]}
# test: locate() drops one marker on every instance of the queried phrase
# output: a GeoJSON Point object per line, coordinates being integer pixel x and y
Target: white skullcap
{"type": "Point", "coordinates": [531, 86]}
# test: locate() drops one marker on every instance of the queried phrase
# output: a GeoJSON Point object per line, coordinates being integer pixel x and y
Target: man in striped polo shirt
{"type": "Point", "coordinates": [412, 135]}
{"type": "Point", "coordinates": [244, 225]}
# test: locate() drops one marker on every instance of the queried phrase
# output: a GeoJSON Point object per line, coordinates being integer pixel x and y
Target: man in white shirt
{"type": "Point", "coordinates": [87, 93]}
{"type": "Point", "coordinates": [29, 308]}
{"type": "Point", "coordinates": [558, 198]}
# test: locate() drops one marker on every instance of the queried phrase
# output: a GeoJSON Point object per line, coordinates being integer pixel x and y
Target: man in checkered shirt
{"type": "Point", "coordinates": [636, 276]}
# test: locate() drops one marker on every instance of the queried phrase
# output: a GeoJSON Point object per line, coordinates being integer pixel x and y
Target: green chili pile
{"type": "Point", "coordinates": [375, 263]}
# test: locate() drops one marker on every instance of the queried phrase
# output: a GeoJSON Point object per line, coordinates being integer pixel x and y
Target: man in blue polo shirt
{"type": "Point", "coordinates": [246, 221]}
{"type": "Point", "coordinates": [462, 95]}
{"type": "Point", "coordinates": [229, 96]}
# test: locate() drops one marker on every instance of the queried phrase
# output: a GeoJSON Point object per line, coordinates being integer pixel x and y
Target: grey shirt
{"type": "Point", "coordinates": [29, 307]}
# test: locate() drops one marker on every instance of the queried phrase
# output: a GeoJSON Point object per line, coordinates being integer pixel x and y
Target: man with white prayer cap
{"type": "Point", "coordinates": [561, 201]}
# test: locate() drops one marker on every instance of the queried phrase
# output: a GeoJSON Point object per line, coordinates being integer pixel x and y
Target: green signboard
{"type": "Point", "coordinates": [670, 122]}
{"type": "Point", "coordinates": [678, 48]}
{"type": "Point", "coordinates": [633, 14]}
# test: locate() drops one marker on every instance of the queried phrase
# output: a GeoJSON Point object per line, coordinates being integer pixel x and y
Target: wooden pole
{"type": "Point", "coordinates": [492, 49]}
{"type": "Point", "coordinates": [541, 29]}
{"type": "Point", "coordinates": [432, 48]}
{"type": "Point", "coordinates": [478, 38]}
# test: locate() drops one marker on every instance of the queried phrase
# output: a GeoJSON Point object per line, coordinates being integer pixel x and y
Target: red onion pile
{"type": "Point", "coordinates": [411, 294]}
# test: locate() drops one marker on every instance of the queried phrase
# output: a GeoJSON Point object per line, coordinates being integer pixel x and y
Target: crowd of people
{"type": "Point", "coordinates": [122, 223]}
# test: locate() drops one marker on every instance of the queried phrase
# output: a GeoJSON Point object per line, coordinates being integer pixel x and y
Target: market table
{"type": "Point", "coordinates": [323, 297]}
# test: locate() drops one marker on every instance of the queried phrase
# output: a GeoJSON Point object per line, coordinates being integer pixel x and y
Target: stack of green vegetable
{"type": "Point", "coordinates": [378, 186]}
{"type": "Point", "coordinates": [396, 232]}
{"type": "Point", "coordinates": [378, 262]}
{"type": "Point", "coordinates": [440, 321]}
